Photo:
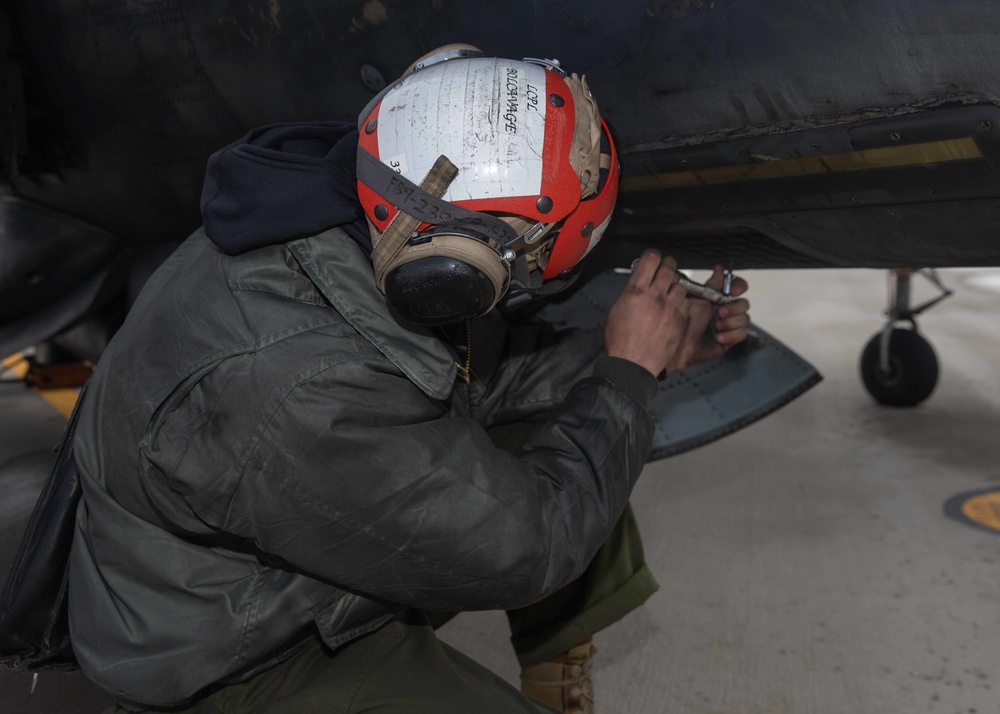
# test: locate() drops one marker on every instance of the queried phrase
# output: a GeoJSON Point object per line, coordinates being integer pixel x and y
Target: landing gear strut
{"type": "Point", "coordinates": [898, 366]}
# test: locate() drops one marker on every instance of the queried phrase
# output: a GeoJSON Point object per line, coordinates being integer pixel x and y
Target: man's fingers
{"type": "Point", "coordinates": [732, 323]}
{"type": "Point", "coordinates": [648, 322]}
{"type": "Point", "coordinates": [718, 281]}
{"type": "Point", "coordinates": [738, 287]}
{"type": "Point", "coordinates": [677, 297]}
{"type": "Point", "coordinates": [737, 307]}
{"type": "Point", "coordinates": [718, 278]}
{"type": "Point", "coordinates": [665, 274]}
{"type": "Point", "coordinates": [732, 337]}
{"type": "Point", "coordinates": [732, 330]}
{"type": "Point", "coordinates": [645, 270]}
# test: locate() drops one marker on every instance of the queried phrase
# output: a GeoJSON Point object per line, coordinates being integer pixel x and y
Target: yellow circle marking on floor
{"type": "Point", "coordinates": [984, 509]}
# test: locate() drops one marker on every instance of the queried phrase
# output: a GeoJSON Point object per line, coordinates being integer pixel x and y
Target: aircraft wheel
{"type": "Point", "coordinates": [913, 369]}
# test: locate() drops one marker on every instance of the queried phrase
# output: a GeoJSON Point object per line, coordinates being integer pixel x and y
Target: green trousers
{"type": "Point", "coordinates": [401, 668]}
{"type": "Point", "coordinates": [404, 667]}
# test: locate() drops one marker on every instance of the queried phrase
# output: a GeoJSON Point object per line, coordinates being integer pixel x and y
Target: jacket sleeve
{"type": "Point", "coordinates": [526, 368]}
{"type": "Point", "coordinates": [362, 480]}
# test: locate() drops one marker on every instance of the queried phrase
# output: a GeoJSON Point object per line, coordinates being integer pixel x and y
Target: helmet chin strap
{"type": "Point", "coordinates": [519, 298]}
{"type": "Point", "coordinates": [411, 274]}
{"type": "Point", "coordinates": [418, 203]}
{"type": "Point", "coordinates": [423, 204]}
{"type": "Point", "coordinates": [397, 233]}
{"type": "Point", "coordinates": [526, 286]}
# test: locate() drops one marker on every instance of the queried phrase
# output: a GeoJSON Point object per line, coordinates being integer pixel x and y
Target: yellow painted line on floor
{"type": "Point", "coordinates": [924, 154]}
{"type": "Point", "coordinates": [976, 508]}
{"type": "Point", "coordinates": [984, 510]}
{"type": "Point", "coordinates": [17, 364]}
{"type": "Point", "coordinates": [61, 399]}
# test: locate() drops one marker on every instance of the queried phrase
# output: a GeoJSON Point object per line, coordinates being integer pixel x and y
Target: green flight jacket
{"type": "Point", "coordinates": [266, 454]}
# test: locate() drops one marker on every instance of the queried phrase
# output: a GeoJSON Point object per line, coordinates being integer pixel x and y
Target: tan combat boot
{"type": "Point", "coordinates": [564, 681]}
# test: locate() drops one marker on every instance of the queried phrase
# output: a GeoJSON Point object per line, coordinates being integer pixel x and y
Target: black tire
{"type": "Point", "coordinates": [913, 369]}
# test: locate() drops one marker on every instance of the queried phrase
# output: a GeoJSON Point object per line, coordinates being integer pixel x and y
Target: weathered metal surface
{"type": "Point", "coordinates": [750, 133]}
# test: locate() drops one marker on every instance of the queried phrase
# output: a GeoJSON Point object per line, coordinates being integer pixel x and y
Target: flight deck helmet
{"type": "Point", "coordinates": [483, 180]}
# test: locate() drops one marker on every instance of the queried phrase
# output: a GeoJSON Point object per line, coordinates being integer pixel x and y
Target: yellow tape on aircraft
{"type": "Point", "coordinates": [887, 157]}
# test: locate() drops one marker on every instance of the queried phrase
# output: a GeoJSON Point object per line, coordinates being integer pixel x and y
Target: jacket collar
{"type": "Point", "coordinates": [343, 274]}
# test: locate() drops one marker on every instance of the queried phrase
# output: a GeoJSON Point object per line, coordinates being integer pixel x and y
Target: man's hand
{"type": "Point", "coordinates": [648, 322]}
{"type": "Point", "coordinates": [713, 330]}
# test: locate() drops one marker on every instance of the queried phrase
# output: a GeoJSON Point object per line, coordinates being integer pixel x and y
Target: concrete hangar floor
{"type": "Point", "coordinates": [806, 564]}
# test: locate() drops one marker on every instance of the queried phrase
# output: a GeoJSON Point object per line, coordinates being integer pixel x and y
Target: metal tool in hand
{"type": "Point", "coordinates": [696, 289]}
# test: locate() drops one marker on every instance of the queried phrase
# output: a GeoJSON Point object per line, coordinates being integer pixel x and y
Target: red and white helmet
{"type": "Point", "coordinates": [530, 150]}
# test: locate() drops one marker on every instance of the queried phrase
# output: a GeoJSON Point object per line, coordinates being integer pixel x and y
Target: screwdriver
{"type": "Point", "coordinates": [696, 289]}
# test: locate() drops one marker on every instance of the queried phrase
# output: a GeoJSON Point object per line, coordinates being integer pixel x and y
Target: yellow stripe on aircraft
{"type": "Point", "coordinates": [925, 154]}
{"type": "Point", "coordinates": [62, 399]}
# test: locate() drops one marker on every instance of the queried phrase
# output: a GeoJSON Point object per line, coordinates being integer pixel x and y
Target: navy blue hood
{"type": "Point", "coordinates": [283, 182]}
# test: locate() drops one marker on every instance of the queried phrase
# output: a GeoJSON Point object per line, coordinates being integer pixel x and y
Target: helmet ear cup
{"type": "Point", "coordinates": [447, 279]}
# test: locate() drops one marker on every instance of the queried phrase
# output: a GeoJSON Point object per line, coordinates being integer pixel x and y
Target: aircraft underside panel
{"type": "Point", "coordinates": [123, 101]}
{"type": "Point", "coordinates": [920, 188]}
{"type": "Point", "coordinates": [766, 135]}
{"type": "Point", "coordinates": [664, 70]}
